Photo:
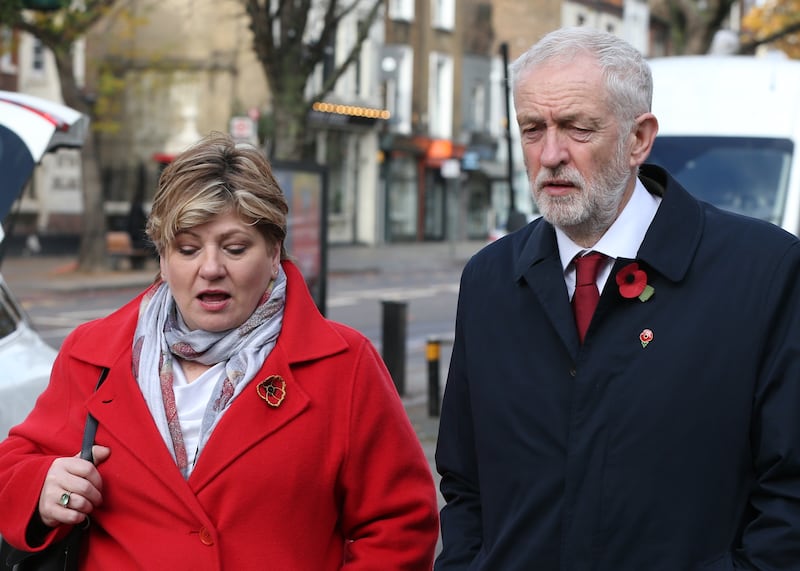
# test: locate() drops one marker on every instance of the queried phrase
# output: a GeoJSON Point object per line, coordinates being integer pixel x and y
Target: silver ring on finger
{"type": "Point", "coordinates": [63, 501]}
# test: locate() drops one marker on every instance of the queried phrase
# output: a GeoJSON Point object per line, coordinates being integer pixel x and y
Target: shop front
{"type": "Point", "coordinates": [435, 190]}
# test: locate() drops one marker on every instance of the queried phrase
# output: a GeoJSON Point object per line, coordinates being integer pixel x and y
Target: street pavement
{"type": "Point", "coordinates": [58, 273]}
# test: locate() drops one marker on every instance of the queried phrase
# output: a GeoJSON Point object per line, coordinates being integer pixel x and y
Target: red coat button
{"type": "Point", "coordinates": [205, 537]}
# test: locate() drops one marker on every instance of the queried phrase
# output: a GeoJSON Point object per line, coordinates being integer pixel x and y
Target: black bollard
{"type": "Point", "coordinates": [433, 353]}
{"type": "Point", "coordinates": [394, 342]}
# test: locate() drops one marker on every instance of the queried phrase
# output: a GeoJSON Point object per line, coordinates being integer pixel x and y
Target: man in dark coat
{"type": "Point", "coordinates": [661, 432]}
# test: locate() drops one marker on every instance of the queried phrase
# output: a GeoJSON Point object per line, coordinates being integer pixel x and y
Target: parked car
{"type": "Point", "coordinates": [30, 127]}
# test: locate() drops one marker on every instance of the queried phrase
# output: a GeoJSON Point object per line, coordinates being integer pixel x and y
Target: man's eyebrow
{"type": "Point", "coordinates": [529, 118]}
{"type": "Point", "coordinates": [561, 120]}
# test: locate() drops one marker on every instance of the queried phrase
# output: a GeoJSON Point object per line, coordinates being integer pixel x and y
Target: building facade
{"type": "Point", "coordinates": [348, 123]}
{"type": "Point", "coordinates": [188, 67]}
{"type": "Point", "coordinates": [166, 74]}
{"type": "Point", "coordinates": [421, 70]}
{"type": "Point", "coordinates": [418, 137]}
{"type": "Point", "coordinates": [53, 203]}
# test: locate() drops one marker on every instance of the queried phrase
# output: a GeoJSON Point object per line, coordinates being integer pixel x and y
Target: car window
{"type": "Point", "coordinates": [747, 175]}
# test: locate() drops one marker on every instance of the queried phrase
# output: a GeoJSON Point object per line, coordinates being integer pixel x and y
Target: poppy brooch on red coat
{"type": "Point", "coordinates": [272, 390]}
{"type": "Point", "coordinates": [632, 283]}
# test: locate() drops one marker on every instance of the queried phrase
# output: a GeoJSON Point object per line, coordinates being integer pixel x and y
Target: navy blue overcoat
{"type": "Point", "coordinates": [668, 441]}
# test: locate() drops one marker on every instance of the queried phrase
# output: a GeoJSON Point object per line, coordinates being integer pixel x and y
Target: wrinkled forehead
{"type": "Point", "coordinates": [556, 83]}
{"type": "Point", "coordinates": [564, 65]}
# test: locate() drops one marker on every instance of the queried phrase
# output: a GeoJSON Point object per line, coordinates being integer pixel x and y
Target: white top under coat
{"type": "Point", "coordinates": [191, 400]}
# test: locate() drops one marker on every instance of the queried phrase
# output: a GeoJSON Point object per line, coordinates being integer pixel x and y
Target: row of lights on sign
{"type": "Point", "coordinates": [353, 110]}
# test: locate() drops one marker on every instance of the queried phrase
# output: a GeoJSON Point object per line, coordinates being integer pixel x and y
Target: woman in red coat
{"type": "Point", "coordinates": [238, 428]}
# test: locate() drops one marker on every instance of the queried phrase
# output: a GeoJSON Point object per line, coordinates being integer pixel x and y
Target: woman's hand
{"type": "Point", "coordinates": [72, 489]}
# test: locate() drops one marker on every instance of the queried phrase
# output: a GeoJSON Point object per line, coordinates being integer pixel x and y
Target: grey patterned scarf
{"type": "Point", "coordinates": [161, 334]}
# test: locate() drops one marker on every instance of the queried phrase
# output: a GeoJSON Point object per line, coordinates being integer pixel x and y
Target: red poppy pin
{"type": "Point", "coordinates": [632, 282]}
{"type": "Point", "coordinates": [645, 337]}
{"type": "Point", "coordinates": [272, 390]}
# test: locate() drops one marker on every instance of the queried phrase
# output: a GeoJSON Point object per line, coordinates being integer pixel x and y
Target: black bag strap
{"type": "Point", "coordinates": [12, 558]}
{"type": "Point", "coordinates": [91, 425]}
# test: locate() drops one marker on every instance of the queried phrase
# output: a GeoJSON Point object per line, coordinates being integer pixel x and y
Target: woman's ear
{"type": "Point", "coordinates": [275, 258]}
{"type": "Point", "coordinates": [644, 133]}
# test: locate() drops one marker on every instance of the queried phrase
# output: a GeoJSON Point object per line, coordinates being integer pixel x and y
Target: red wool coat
{"type": "Point", "coordinates": [332, 478]}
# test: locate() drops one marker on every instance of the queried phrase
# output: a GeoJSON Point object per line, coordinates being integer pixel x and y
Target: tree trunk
{"type": "Point", "coordinates": [290, 134]}
{"type": "Point", "coordinates": [692, 23]}
{"type": "Point", "coordinates": [92, 251]}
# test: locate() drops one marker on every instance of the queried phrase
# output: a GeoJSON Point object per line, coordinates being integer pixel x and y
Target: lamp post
{"type": "Point", "coordinates": [516, 219]}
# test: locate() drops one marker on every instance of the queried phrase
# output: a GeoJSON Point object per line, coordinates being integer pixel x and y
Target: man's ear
{"type": "Point", "coordinates": [644, 133]}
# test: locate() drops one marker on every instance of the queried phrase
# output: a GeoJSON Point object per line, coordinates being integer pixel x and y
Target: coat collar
{"type": "Point", "coordinates": [672, 240]}
{"type": "Point", "coordinates": [669, 246]}
{"type": "Point", "coordinates": [306, 335]}
{"type": "Point", "coordinates": [301, 322]}
{"type": "Point", "coordinates": [120, 407]}
{"type": "Point", "coordinates": [678, 223]}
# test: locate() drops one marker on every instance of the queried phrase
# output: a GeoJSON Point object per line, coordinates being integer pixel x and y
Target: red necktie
{"type": "Point", "coordinates": [586, 293]}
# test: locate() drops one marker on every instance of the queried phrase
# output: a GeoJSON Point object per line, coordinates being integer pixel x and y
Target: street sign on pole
{"type": "Point", "coordinates": [243, 130]}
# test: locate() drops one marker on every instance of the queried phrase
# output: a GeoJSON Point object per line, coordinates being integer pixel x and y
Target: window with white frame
{"type": "Point", "coordinates": [37, 61]}
{"type": "Point", "coordinates": [401, 10]}
{"type": "Point", "coordinates": [497, 99]}
{"type": "Point", "coordinates": [398, 84]}
{"type": "Point", "coordinates": [443, 16]}
{"type": "Point", "coordinates": [7, 51]}
{"type": "Point", "coordinates": [478, 98]}
{"type": "Point", "coordinates": [440, 96]}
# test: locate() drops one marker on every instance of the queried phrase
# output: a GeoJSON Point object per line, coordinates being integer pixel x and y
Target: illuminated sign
{"type": "Point", "coordinates": [347, 115]}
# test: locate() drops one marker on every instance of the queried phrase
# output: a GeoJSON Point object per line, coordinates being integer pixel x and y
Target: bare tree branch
{"type": "Point", "coordinates": [692, 23]}
{"type": "Point", "coordinates": [354, 53]}
{"type": "Point", "coordinates": [291, 39]}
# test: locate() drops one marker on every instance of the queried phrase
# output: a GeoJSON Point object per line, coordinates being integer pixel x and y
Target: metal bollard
{"type": "Point", "coordinates": [433, 351]}
{"type": "Point", "coordinates": [394, 342]}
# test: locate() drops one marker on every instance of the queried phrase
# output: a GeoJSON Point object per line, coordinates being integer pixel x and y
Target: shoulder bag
{"type": "Point", "coordinates": [63, 555]}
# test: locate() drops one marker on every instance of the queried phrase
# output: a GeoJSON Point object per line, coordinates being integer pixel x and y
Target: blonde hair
{"type": "Point", "coordinates": [212, 177]}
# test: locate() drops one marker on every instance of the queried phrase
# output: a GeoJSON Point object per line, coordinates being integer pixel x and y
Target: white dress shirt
{"type": "Point", "coordinates": [621, 240]}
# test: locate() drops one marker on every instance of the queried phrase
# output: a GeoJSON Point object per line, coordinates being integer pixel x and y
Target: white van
{"type": "Point", "coordinates": [729, 130]}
